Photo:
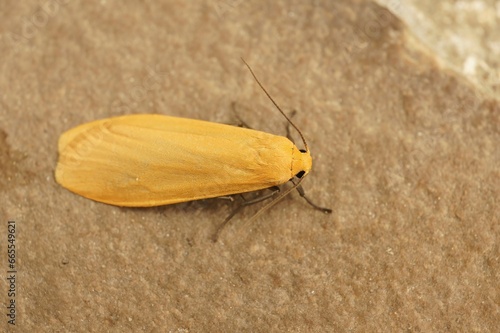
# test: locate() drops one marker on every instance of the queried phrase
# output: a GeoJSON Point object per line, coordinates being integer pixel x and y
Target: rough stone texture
{"type": "Point", "coordinates": [405, 153]}
{"type": "Point", "coordinates": [464, 35]}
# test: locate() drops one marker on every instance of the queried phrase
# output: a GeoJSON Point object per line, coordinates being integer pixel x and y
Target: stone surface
{"type": "Point", "coordinates": [405, 153]}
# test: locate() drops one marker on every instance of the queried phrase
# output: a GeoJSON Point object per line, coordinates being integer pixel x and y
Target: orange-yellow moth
{"type": "Point", "coordinates": [150, 160]}
{"type": "Point", "coordinates": [147, 160]}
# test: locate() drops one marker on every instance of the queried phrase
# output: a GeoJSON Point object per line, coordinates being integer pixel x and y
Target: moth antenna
{"type": "Point", "coordinates": [276, 104]}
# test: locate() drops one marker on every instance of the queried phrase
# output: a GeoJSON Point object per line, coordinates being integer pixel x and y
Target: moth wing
{"type": "Point", "coordinates": [151, 160]}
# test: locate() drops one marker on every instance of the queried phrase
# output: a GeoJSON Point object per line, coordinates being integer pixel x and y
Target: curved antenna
{"type": "Point", "coordinates": [275, 104]}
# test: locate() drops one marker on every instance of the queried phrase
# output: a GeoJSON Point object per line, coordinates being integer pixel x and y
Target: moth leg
{"type": "Point", "coordinates": [302, 193]}
{"type": "Point", "coordinates": [226, 197]}
{"type": "Point", "coordinates": [274, 190]}
{"type": "Point", "coordinates": [288, 135]}
{"type": "Point", "coordinates": [299, 188]}
{"type": "Point", "coordinates": [242, 123]}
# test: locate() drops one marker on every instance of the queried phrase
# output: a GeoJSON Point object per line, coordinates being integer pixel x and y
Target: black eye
{"type": "Point", "coordinates": [303, 150]}
{"type": "Point", "coordinates": [300, 174]}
